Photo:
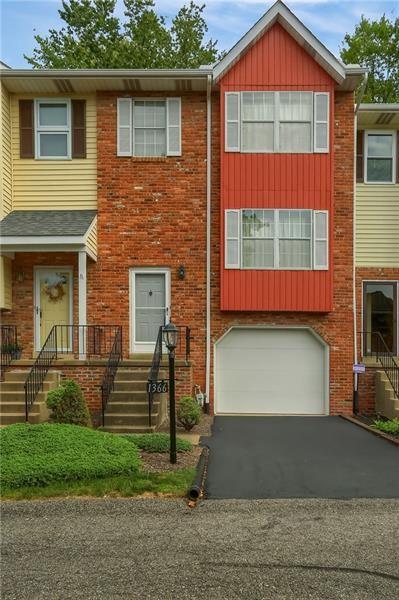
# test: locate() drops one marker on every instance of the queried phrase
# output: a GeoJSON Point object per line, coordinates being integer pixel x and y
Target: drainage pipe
{"type": "Point", "coordinates": [208, 236]}
{"type": "Point", "coordinates": [197, 487]}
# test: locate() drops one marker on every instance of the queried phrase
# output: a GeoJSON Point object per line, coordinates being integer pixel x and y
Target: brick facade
{"type": "Point", "coordinates": [336, 328]}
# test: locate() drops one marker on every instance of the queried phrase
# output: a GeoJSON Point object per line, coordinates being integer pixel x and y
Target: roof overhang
{"type": "Point", "coordinates": [381, 116]}
{"type": "Point", "coordinates": [45, 243]}
{"type": "Point", "coordinates": [346, 77]}
{"type": "Point", "coordinates": [51, 81]}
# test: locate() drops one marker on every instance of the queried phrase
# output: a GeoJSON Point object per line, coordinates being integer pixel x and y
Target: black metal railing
{"type": "Point", "coordinates": [114, 357]}
{"type": "Point", "coordinates": [182, 352]}
{"type": "Point", "coordinates": [9, 347]}
{"type": "Point", "coordinates": [39, 370]}
{"type": "Point", "coordinates": [74, 341]}
{"type": "Point", "coordinates": [375, 346]}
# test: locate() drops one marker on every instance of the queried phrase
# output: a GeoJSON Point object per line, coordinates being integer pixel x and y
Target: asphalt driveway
{"type": "Point", "coordinates": [299, 457]}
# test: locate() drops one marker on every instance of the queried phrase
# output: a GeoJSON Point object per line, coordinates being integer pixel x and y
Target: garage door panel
{"type": "Point", "coordinates": [270, 371]}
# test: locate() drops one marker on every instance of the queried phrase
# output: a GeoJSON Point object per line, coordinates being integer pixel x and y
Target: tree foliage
{"type": "Point", "coordinates": [93, 37]}
{"type": "Point", "coordinates": [375, 45]}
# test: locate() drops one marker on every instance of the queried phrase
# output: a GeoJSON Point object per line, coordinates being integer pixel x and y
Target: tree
{"type": "Point", "coordinates": [375, 45]}
{"type": "Point", "coordinates": [94, 37]}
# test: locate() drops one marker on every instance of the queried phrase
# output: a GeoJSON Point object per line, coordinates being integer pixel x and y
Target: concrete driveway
{"type": "Point", "coordinates": [299, 457]}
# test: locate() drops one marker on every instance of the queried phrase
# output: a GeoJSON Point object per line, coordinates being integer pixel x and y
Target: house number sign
{"type": "Point", "coordinates": [157, 387]}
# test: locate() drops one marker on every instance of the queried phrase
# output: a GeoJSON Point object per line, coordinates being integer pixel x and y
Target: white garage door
{"type": "Point", "coordinates": [270, 371]}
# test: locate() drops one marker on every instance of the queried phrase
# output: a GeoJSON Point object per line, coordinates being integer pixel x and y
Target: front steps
{"type": "Point", "coordinates": [12, 398]}
{"type": "Point", "coordinates": [127, 409]}
{"type": "Point", "coordinates": [386, 403]}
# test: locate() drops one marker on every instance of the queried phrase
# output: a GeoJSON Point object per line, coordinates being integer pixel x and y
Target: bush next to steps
{"type": "Point", "coordinates": [188, 412]}
{"type": "Point", "coordinates": [67, 404]}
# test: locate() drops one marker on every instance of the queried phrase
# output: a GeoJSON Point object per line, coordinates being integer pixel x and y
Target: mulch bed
{"type": "Point", "coordinates": [203, 428]}
{"type": "Point", "coordinates": [155, 461]}
{"type": "Point", "coordinates": [366, 422]}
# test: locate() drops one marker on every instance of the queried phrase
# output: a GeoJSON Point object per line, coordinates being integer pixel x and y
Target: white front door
{"type": "Point", "coordinates": [53, 304]}
{"type": "Point", "coordinates": [150, 307]}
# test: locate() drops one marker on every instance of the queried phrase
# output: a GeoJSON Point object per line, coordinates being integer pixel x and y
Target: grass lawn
{"type": "Point", "coordinates": [45, 460]}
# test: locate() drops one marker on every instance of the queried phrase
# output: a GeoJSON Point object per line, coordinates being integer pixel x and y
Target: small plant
{"type": "Point", "coordinates": [391, 427]}
{"type": "Point", "coordinates": [67, 405]}
{"type": "Point", "coordinates": [188, 413]}
{"type": "Point", "coordinates": [15, 350]}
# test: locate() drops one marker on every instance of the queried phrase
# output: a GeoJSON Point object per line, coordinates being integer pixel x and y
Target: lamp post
{"type": "Point", "coordinates": [170, 338]}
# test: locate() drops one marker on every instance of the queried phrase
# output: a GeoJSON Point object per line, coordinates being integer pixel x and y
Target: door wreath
{"type": "Point", "coordinates": [54, 287]}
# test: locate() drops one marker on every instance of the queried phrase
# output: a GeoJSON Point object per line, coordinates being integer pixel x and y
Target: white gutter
{"type": "Point", "coordinates": [105, 73]}
{"type": "Point", "coordinates": [208, 235]}
{"type": "Point", "coordinates": [355, 348]}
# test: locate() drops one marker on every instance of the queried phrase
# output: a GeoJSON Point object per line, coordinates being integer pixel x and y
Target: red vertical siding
{"type": "Point", "coordinates": [277, 62]}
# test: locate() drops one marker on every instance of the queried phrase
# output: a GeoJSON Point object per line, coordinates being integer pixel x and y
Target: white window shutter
{"type": "Point", "coordinates": [232, 121]}
{"type": "Point", "coordinates": [232, 239]}
{"type": "Point", "coordinates": [173, 129]}
{"type": "Point", "coordinates": [321, 121]}
{"type": "Point", "coordinates": [320, 240]}
{"type": "Point", "coordinates": [124, 127]}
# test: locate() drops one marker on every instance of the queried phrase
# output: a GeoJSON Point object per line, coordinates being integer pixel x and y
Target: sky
{"type": "Point", "coordinates": [227, 21]}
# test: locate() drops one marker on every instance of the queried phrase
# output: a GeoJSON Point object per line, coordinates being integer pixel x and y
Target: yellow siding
{"type": "Point", "coordinates": [5, 154]}
{"type": "Point", "coordinates": [91, 242]}
{"type": "Point", "coordinates": [55, 184]}
{"type": "Point", "coordinates": [377, 225]}
{"type": "Point", "coordinates": [5, 283]}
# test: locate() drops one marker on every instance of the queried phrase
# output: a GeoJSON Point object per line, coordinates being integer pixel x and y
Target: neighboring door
{"type": "Point", "coordinates": [150, 308]}
{"type": "Point", "coordinates": [271, 371]}
{"type": "Point", "coordinates": [53, 304]}
{"type": "Point", "coordinates": [380, 310]}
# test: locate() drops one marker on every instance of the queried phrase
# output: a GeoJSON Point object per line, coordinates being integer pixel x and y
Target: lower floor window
{"type": "Point", "coordinates": [276, 239]}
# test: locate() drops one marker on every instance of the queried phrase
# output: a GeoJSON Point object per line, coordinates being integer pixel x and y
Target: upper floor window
{"type": "Point", "coordinates": [276, 122]}
{"type": "Point", "coordinates": [380, 156]}
{"type": "Point", "coordinates": [149, 127]}
{"type": "Point", "coordinates": [53, 129]}
{"type": "Point", "coordinates": [276, 239]}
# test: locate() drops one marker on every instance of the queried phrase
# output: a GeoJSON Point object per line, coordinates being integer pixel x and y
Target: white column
{"type": "Point", "coordinates": [82, 287]}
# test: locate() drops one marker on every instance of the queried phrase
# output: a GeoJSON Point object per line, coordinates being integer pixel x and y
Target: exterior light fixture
{"type": "Point", "coordinates": [181, 272]}
{"type": "Point", "coordinates": [170, 338]}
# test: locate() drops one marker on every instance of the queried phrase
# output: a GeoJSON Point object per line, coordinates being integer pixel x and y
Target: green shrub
{"type": "Point", "coordinates": [37, 455]}
{"type": "Point", "coordinates": [68, 405]}
{"type": "Point", "coordinates": [391, 427]}
{"type": "Point", "coordinates": [188, 412]}
{"type": "Point", "coordinates": [157, 442]}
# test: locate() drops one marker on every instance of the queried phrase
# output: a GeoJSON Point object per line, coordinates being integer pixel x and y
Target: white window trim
{"type": "Point", "coordinates": [366, 147]}
{"type": "Point", "coordinates": [53, 129]}
{"type": "Point", "coordinates": [319, 239]}
{"type": "Point", "coordinates": [276, 121]}
{"type": "Point", "coordinates": [166, 100]}
{"type": "Point", "coordinates": [316, 122]}
{"type": "Point", "coordinates": [237, 239]}
{"type": "Point", "coordinates": [276, 240]}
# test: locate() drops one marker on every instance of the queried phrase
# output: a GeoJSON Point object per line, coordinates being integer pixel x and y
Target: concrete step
{"type": "Point", "coordinates": [19, 417]}
{"type": "Point", "coordinates": [128, 396]}
{"type": "Point", "coordinates": [137, 374]}
{"type": "Point", "coordinates": [128, 429]}
{"type": "Point", "coordinates": [130, 407]}
{"type": "Point", "coordinates": [16, 386]}
{"type": "Point", "coordinates": [22, 375]}
{"type": "Point", "coordinates": [134, 386]}
{"type": "Point", "coordinates": [12, 407]}
{"type": "Point", "coordinates": [19, 397]}
{"type": "Point", "coordinates": [129, 419]}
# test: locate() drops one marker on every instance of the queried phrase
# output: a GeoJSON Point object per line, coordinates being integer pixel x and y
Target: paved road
{"type": "Point", "coordinates": [222, 550]}
{"type": "Point", "coordinates": [299, 457]}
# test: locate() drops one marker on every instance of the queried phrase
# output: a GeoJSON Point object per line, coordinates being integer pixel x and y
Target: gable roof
{"type": "Point", "coordinates": [280, 13]}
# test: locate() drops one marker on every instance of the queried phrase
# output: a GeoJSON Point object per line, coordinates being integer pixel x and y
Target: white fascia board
{"type": "Point", "coordinates": [280, 13]}
{"type": "Point", "coordinates": [375, 107]}
{"type": "Point", "coordinates": [41, 240]}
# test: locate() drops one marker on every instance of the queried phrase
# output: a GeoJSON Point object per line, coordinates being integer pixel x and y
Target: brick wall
{"type": "Point", "coordinates": [336, 328]}
{"type": "Point", "coordinates": [152, 212]}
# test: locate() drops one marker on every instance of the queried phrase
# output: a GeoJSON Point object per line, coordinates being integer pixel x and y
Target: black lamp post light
{"type": "Point", "coordinates": [170, 338]}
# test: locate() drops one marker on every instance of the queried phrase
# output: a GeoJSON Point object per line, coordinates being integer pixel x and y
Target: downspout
{"type": "Point", "coordinates": [208, 239]}
{"type": "Point", "coordinates": [355, 348]}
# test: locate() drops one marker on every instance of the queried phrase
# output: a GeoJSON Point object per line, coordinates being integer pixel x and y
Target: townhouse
{"type": "Point", "coordinates": [223, 198]}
